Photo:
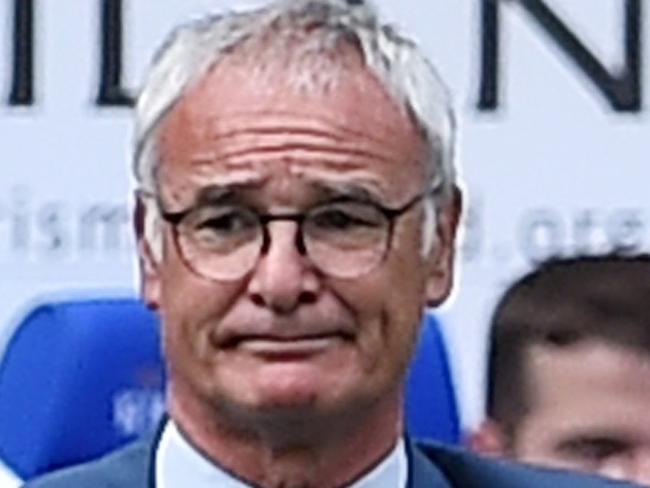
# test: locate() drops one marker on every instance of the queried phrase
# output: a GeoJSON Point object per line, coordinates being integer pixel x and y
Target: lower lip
{"type": "Point", "coordinates": [288, 349]}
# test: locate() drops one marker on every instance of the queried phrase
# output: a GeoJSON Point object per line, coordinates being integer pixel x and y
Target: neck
{"type": "Point", "coordinates": [295, 450]}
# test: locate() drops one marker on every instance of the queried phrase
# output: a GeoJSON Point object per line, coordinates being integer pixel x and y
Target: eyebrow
{"type": "Point", "coordinates": [580, 441]}
{"type": "Point", "coordinates": [325, 191]}
{"type": "Point", "coordinates": [345, 191]}
{"type": "Point", "coordinates": [215, 194]}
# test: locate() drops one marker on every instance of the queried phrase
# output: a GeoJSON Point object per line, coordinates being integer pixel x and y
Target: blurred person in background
{"type": "Point", "coordinates": [296, 210]}
{"type": "Point", "coordinates": [569, 368]}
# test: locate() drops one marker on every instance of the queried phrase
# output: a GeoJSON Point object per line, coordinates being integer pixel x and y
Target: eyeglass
{"type": "Point", "coordinates": [343, 238]}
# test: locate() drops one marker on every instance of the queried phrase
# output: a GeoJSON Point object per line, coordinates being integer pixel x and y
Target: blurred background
{"type": "Point", "coordinates": [554, 146]}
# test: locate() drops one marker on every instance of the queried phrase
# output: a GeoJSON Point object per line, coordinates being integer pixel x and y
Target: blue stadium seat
{"type": "Point", "coordinates": [80, 378]}
{"type": "Point", "coordinates": [431, 408]}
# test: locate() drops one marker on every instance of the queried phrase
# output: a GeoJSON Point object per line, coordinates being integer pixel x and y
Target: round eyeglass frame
{"type": "Point", "coordinates": [391, 214]}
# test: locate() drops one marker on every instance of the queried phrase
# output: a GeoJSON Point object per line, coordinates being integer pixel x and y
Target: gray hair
{"type": "Point", "coordinates": [193, 49]}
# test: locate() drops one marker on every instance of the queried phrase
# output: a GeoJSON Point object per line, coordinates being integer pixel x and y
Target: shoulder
{"type": "Point", "coordinates": [127, 467]}
{"type": "Point", "coordinates": [468, 470]}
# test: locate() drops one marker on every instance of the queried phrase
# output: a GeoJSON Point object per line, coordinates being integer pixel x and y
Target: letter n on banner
{"type": "Point", "coordinates": [621, 89]}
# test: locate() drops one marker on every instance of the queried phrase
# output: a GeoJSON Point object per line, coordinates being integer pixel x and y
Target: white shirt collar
{"type": "Point", "coordinates": [179, 464]}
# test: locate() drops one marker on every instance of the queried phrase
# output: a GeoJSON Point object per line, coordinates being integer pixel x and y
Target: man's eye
{"type": "Point", "coordinates": [342, 219]}
{"type": "Point", "coordinates": [227, 222]}
{"type": "Point", "coordinates": [595, 448]}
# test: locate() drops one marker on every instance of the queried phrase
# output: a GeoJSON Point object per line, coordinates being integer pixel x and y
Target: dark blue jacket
{"type": "Point", "coordinates": [431, 466]}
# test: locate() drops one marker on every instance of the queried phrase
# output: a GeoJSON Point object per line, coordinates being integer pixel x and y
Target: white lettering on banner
{"type": "Point", "coordinates": [137, 410]}
{"type": "Point", "coordinates": [545, 232]}
{"type": "Point", "coordinates": [55, 229]}
{"type": "Point", "coordinates": [541, 232]}
{"type": "Point", "coordinates": [50, 230]}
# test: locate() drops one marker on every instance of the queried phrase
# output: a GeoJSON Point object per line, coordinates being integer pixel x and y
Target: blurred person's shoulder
{"type": "Point", "coordinates": [463, 468]}
{"type": "Point", "coordinates": [128, 466]}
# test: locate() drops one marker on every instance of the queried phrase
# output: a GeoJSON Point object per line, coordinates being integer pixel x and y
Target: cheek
{"type": "Point", "coordinates": [387, 305]}
{"type": "Point", "coordinates": [405, 298]}
{"type": "Point", "coordinates": [191, 309]}
{"type": "Point", "coordinates": [405, 280]}
{"type": "Point", "coordinates": [186, 295]}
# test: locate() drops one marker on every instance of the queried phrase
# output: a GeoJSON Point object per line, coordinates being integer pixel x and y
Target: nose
{"type": "Point", "coordinates": [284, 277]}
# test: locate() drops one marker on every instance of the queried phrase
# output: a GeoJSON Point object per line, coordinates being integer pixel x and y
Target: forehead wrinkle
{"type": "Point", "coordinates": [232, 124]}
{"type": "Point", "coordinates": [203, 176]}
{"type": "Point", "coordinates": [228, 124]}
{"type": "Point", "coordinates": [340, 158]}
{"type": "Point", "coordinates": [251, 138]}
{"type": "Point", "coordinates": [247, 141]}
{"type": "Point", "coordinates": [235, 176]}
{"type": "Point", "coordinates": [203, 167]}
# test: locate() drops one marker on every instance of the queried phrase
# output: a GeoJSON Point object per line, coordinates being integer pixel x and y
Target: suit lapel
{"type": "Point", "coordinates": [423, 473]}
{"type": "Point", "coordinates": [153, 441]}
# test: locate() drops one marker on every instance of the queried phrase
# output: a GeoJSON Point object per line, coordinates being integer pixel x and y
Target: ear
{"type": "Point", "coordinates": [489, 439]}
{"type": "Point", "coordinates": [149, 267]}
{"type": "Point", "coordinates": [440, 261]}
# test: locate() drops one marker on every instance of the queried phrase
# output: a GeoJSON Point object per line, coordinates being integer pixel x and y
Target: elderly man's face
{"type": "Point", "coordinates": [286, 335]}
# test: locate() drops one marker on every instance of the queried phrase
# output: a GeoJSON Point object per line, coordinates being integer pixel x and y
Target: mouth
{"type": "Point", "coordinates": [282, 348]}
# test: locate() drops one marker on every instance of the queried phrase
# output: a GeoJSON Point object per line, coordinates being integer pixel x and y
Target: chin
{"type": "Point", "coordinates": [296, 388]}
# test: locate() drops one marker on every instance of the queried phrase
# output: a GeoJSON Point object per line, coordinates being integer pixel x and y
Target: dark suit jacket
{"type": "Point", "coordinates": [431, 466]}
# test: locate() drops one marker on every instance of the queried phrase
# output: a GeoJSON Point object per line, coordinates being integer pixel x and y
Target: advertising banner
{"type": "Point", "coordinates": [553, 152]}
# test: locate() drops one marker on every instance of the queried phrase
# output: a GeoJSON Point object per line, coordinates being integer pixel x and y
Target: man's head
{"type": "Point", "coordinates": [305, 40]}
{"type": "Point", "coordinates": [569, 367]}
{"type": "Point", "coordinates": [296, 210]}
